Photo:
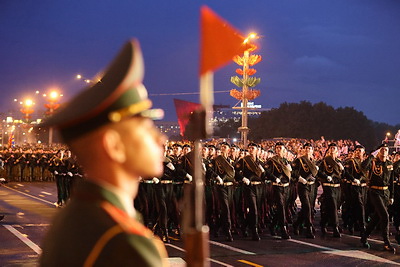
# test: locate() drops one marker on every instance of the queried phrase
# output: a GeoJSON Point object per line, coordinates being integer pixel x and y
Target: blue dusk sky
{"type": "Point", "coordinates": [342, 52]}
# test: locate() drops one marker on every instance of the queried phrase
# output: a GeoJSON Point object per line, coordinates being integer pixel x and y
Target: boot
{"type": "Point", "coordinates": [255, 235]}
{"type": "Point", "coordinates": [323, 230]}
{"type": "Point", "coordinates": [272, 230]}
{"type": "Point", "coordinates": [309, 232]}
{"type": "Point", "coordinates": [296, 228]}
{"type": "Point", "coordinates": [229, 237]}
{"type": "Point", "coordinates": [165, 237]}
{"type": "Point", "coordinates": [388, 247]}
{"type": "Point", "coordinates": [362, 230]}
{"type": "Point", "coordinates": [336, 232]}
{"type": "Point", "coordinates": [285, 233]}
{"type": "Point", "coordinates": [364, 241]}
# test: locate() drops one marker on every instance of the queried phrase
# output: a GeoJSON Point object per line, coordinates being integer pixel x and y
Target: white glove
{"type": "Point", "coordinates": [171, 166]}
{"type": "Point", "coordinates": [189, 177]}
{"type": "Point", "coordinates": [277, 180]}
{"type": "Point", "coordinates": [357, 181]}
{"type": "Point", "coordinates": [329, 179]}
{"type": "Point", "coordinates": [219, 180]}
{"type": "Point", "coordinates": [156, 180]}
{"type": "Point", "coordinates": [289, 167]}
{"type": "Point", "coordinates": [246, 181]}
{"type": "Point", "coordinates": [391, 201]}
{"type": "Point", "coordinates": [2, 180]}
{"type": "Point", "coordinates": [317, 168]}
{"type": "Point", "coordinates": [69, 174]}
{"type": "Point", "coordinates": [261, 168]}
{"type": "Point", "coordinates": [302, 180]}
{"type": "Point", "coordinates": [55, 172]}
{"type": "Point", "coordinates": [341, 166]}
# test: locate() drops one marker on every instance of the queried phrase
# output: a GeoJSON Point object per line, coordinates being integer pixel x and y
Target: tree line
{"type": "Point", "coordinates": [311, 121]}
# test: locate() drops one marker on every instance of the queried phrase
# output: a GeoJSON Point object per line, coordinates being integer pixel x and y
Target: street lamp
{"type": "Point", "coordinates": [52, 105]}
{"type": "Point", "coordinates": [27, 109]}
{"type": "Point", "coordinates": [246, 83]}
{"type": "Point", "coordinates": [80, 77]}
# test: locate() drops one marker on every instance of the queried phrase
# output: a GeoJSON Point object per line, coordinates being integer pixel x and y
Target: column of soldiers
{"type": "Point", "coordinates": [35, 166]}
{"type": "Point", "coordinates": [249, 191]}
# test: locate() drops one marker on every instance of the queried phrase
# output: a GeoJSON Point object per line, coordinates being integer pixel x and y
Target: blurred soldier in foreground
{"type": "Point", "coordinates": [109, 128]}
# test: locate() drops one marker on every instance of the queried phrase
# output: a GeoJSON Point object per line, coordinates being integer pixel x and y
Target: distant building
{"type": "Point", "coordinates": [225, 113]}
{"type": "Point", "coordinates": [169, 128]}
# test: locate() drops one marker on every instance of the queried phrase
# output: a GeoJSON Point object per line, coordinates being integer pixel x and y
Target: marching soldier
{"type": "Point", "coordinates": [380, 193]}
{"type": "Point", "coordinates": [358, 189]}
{"type": "Point", "coordinates": [305, 172]}
{"type": "Point", "coordinates": [333, 169]}
{"type": "Point", "coordinates": [250, 173]}
{"type": "Point", "coordinates": [57, 167]}
{"type": "Point", "coordinates": [166, 202]}
{"type": "Point", "coordinates": [278, 171]}
{"type": "Point", "coordinates": [225, 189]}
{"type": "Point", "coordinates": [396, 204]}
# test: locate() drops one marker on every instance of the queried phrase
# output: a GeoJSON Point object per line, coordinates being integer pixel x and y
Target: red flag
{"type": "Point", "coordinates": [220, 42]}
{"type": "Point", "coordinates": [183, 110]}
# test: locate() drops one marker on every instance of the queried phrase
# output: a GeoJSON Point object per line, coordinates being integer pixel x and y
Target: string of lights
{"type": "Point", "coordinates": [193, 93]}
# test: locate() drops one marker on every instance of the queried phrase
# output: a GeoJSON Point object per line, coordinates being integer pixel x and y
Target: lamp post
{"type": "Point", "coordinates": [246, 83]}
{"type": "Point", "coordinates": [27, 109]}
{"type": "Point", "coordinates": [52, 105]}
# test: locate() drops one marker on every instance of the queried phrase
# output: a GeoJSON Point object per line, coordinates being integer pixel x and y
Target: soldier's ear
{"type": "Point", "coordinates": [113, 146]}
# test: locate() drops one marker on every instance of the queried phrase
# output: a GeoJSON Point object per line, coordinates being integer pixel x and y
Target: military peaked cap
{"type": "Point", "coordinates": [307, 145]}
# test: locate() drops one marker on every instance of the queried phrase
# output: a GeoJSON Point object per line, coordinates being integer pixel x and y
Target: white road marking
{"type": "Point", "coordinates": [347, 253]}
{"type": "Point", "coordinates": [46, 193]}
{"type": "Point", "coordinates": [360, 255]}
{"type": "Point", "coordinates": [212, 260]}
{"type": "Point", "coordinates": [369, 239]}
{"type": "Point", "coordinates": [232, 248]}
{"type": "Point", "coordinates": [23, 238]}
{"type": "Point", "coordinates": [43, 200]}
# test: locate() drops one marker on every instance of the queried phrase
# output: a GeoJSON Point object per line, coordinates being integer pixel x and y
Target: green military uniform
{"type": "Point", "coordinates": [112, 238]}
{"type": "Point", "coordinates": [99, 226]}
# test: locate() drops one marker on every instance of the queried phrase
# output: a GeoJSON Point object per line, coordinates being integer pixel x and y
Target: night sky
{"type": "Point", "coordinates": [344, 53]}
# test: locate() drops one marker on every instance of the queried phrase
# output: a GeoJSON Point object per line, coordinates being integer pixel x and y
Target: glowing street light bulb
{"type": "Point", "coordinates": [388, 133]}
{"type": "Point", "coordinates": [28, 102]}
{"type": "Point", "coordinates": [79, 76]}
{"type": "Point", "coordinates": [87, 81]}
{"type": "Point", "coordinates": [54, 95]}
{"type": "Point", "coordinates": [250, 36]}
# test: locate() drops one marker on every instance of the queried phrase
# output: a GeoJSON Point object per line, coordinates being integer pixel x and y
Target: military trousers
{"type": "Point", "coordinates": [330, 206]}
{"type": "Point", "coordinates": [379, 200]}
{"type": "Point", "coordinates": [306, 196]}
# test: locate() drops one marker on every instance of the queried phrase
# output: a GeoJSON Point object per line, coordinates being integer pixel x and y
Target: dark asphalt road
{"type": "Point", "coordinates": [29, 208]}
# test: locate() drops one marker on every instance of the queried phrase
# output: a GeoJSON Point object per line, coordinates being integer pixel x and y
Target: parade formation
{"type": "Point", "coordinates": [248, 191]}
{"type": "Point", "coordinates": [125, 193]}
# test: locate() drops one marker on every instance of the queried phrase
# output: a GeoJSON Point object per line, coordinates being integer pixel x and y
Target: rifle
{"type": "Point", "coordinates": [195, 232]}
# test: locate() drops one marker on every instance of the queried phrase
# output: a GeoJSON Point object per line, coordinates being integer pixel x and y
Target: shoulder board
{"type": "Point", "coordinates": [128, 224]}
